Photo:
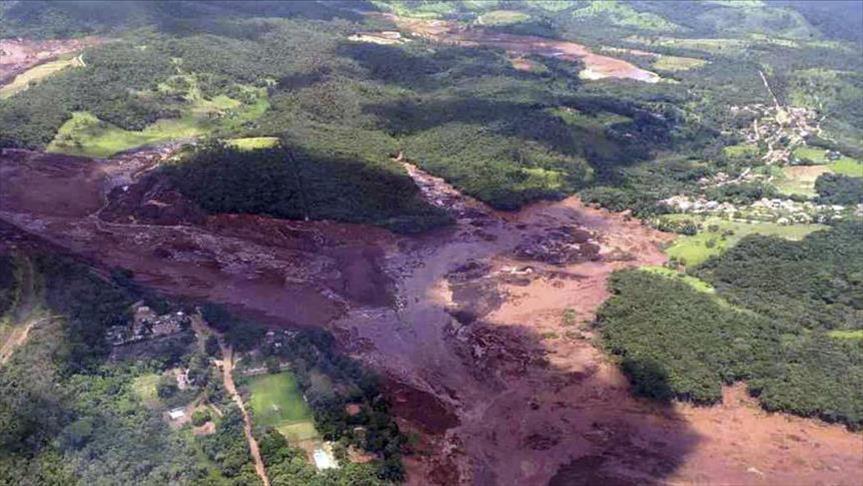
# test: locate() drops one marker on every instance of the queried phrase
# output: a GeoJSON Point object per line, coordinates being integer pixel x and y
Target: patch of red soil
{"type": "Point", "coordinates": [597, 66]}
{"type": "Point", "coordinates": [50, 184]}
{"type": "Point", "coordinates": [277, 271]}
{"type": "Point", "coordinates": [19, 55]}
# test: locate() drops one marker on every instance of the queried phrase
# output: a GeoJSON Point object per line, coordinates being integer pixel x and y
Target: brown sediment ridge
{"type": "Point", "coordinates": [464, 322]}
{"type": "Point", "coordinates": [596, 66]}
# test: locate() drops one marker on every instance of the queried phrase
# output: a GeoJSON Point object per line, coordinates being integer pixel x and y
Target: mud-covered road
{"type": "Point", "coordinates": [467, 323]}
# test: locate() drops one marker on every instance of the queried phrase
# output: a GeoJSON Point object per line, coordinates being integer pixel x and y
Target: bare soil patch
{"type": "Point", "coordinates": [597, 66]}
{"type": "Point", "coordinates": [19, 55]}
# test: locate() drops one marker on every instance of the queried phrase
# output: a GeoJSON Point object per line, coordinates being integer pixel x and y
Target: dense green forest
{"type": "Point", "coordinates": [775, 322]}
{"type": "Point", "coordinates": [290, 183]}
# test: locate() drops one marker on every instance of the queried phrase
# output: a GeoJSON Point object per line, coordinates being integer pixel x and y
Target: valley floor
{"type": "Point", "coordinates": [482, 329]}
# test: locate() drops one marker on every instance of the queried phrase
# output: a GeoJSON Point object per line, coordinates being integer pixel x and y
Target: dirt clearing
{"type": "Point", "coordinates": [597, 66]}
{"type": "Point", "coordinates": [19, 55]}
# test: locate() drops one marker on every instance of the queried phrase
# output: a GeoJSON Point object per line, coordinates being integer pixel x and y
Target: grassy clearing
{"type": "Point", "coordinates": [847, 166]}
{"type": "Point", "coordinates": [678, 63]}
{"type": "Point", "coordinates": [33, 75]}
{"type": "Point", "coordinates": [277, 402]}
{"type": "Point", "coordinates": [144, 387]}
{"type": "Point", "coordinates": [420, 10]}
{"type": "Point", "coordinates": [740, 151]}
{"type": "Point", "coordinates": [622, 15]}
{"type": "Point", "coordinates": [254, 143]}
{"type": "Point", "coordinates": [86, 135]}
{"type": "Point", "coordinates": [842, 334]}
{"type": "Point", "coordinates": [812, 154]}
{"type": "Point", "coordinates": [695, 283]}
{"type": "Point", "coordinates": [693, 250]}
{"type": "Point", "coordinates": [502, 17]}
{"type": "Point", "coordinates": [799, 179]}
{"type": "Point", "coordinates": [574, 117]}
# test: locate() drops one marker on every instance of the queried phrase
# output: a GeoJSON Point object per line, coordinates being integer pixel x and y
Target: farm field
{"type": "Point", "coordinates": [253, 143]}
{"type": "Point", "coordinates": [799, 179]}
{"type": "Point", "coordinates": [678, 63]}
{"type": "Point", "coordinates": [847, 166]}
{"type": "Point", "coordinates": [277, 402]}
{"type": "Point", "coordinates": [697, 248]}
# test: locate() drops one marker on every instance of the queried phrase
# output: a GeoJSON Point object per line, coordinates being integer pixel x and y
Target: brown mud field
{"type": "Point", "coordinates": [19, 55]}
{"type": "Point", "coordinates": [466, 323]}
{"type": "Point", "coordinates": [597, 66]}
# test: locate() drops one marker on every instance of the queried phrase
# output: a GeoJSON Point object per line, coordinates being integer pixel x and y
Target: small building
{"type": "Point", "coordinates": [177, 413]}
{"type": "Point", "coordinates": [324, 457]}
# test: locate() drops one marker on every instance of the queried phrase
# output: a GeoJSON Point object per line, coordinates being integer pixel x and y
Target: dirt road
{"type": "Point", "coordinates": [466, 323]}
{"type": "Point", "coordinates": [26, 315]}
{"type": "Point", "coordinates": [227, 366]}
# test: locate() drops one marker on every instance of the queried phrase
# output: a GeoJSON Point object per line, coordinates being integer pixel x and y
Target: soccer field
{"type": "Point", "coordinates": [277, 402]}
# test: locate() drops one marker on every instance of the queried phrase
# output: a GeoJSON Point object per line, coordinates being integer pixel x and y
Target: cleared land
{"type": "Point", "coordinates": [23, 80]}
{"type": "Point", "coordinates": [86, 135]}
{"type": "Point", "coordinates": [695, 283]}
{"type": "Point", "coordinates": [253, 143]}
{"type": "Point", "coordinates": [847, 166]}
{"type": "Point", "coordinates": [697, 248]}
{"type": "Point", "coordinates": [277, 402]}
{"type": "Point", "coordinates": [799, 179]}
{"type": "Point", "coordinates": [502, 17]}
{"type": "Point", "coordinates": [145, 388]}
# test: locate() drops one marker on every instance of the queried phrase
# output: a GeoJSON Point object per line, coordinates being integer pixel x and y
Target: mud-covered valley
{"type": "Point", "coordinates": [466, 323]}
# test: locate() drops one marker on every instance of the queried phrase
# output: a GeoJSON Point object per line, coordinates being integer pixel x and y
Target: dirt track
{"type": "Point", "coordinates": [466, 323]}
{"type": "Point", "coordinates": [227, 367]}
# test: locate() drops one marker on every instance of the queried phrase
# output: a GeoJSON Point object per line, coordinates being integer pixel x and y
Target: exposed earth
{"type": "Point", "coordinates": [466, 323]}
{"type": "Point", "coordinates": [597, 66]}
{"type": "Point", "coordinates": [19, 55]}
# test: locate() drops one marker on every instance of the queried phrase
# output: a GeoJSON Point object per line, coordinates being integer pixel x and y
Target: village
{"type": "Point", "coordinates": [266, 390]}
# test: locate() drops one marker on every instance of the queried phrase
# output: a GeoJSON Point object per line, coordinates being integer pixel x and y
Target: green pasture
{"type": "Point", "coordinates": [697, 248]}
{"type": "Point", "coordinates": [695, 283]}
{"type": "Point", "coordinates": [276, 402]}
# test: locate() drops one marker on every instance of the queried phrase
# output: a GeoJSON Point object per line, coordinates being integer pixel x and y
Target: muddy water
{"type": "Point", "coordinates": [466, 322]}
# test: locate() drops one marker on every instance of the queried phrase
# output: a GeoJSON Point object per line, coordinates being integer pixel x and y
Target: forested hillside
{"type": "Point", "coordinates": [785, 317]}
{"type": "Point", "coordinates": [501, 133]}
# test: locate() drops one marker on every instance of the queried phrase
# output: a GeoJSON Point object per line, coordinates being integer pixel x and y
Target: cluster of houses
{"type": "Point", "coordinates": [779, 128]}
{"type": "Point", "coordinates": [781, 211]}
{"type": "Point", "coordinates": [147, 324]}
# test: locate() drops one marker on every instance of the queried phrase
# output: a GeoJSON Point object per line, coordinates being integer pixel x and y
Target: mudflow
{"type": "Point", "coordinates": [465, 323]}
